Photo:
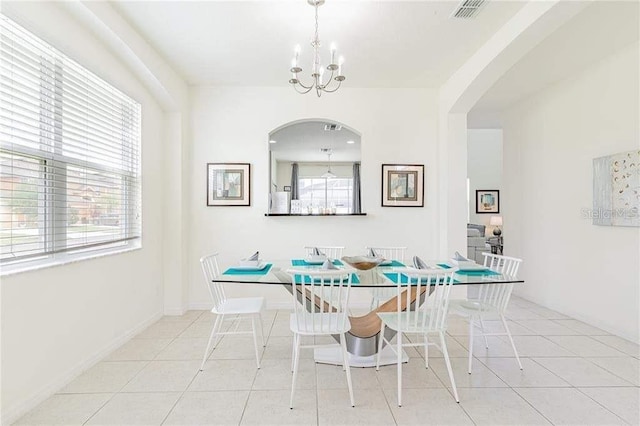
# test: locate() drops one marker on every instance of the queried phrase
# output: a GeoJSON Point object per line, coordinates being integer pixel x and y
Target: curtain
{"type": "Point", "coordinates": [294, 181]}
{"type": "Point", "coordinates": [357, 207]}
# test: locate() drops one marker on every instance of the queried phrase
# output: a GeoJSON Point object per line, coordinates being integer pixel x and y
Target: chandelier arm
{"type": "Point", "coordinates": [303, 92]}
{"type": "Point", "coordinates": [306, 87]}
{"type": "Point", "coordinates": [333, 90]}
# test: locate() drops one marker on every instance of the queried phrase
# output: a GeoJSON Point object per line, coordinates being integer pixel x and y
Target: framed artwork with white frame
{"type": "Point", "coordinates": [228, 184]}
{"type": "Point", "coordinates": [402, 185]}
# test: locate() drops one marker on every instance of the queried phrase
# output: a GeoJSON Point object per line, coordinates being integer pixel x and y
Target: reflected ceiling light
{"type": "Point", "coordinates": [272, 141]}
{"type": "Point", "coordinates": [317, 70]}
{"type": "Point", "coordinates": [328, 174]}
{"type": "Point", "coordinates": [351, 142]}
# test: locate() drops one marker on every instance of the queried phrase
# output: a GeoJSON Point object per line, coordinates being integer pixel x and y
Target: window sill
{"type": "Point", "coordinates": [315, 215]}
{"type": "Point", "coordinates": [49, 262]}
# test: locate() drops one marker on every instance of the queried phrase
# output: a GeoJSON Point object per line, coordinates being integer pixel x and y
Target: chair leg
{"type": "Point", "coordinates": [486, 342]}
{"type": "Point", "coordinates": [380, 343]}
{"type": "Point", "coordinates": [513, 345]}
{"type": "Point", "coordinates": [213, 333]}
{"type": "Point", "coordinates": [296, 358]}
{"type": "Point", "coordinates": [261, 329]}
{"type": "Point", "coordinates": [470, 342]}
{"type": "Point", "coordinates": [445, 352]}
{"type": "Point", "coordinates": [426, 352]}
{"type": "Point", "coordinates": [399, 350]}
{"type": "Point", "coordinates": [347, 368]}
{"type": "Point", "coordinates": [293, 350]}
{"type": "Point", "coordinates": [255, 341]}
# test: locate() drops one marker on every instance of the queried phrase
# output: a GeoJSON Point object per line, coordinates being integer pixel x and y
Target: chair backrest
{"type": "Point", "coordinates": [211, 271]}
{"type": "Point", "coordinates": [389, 253]}
{"type": "Point", "coordinates": [331, 252]}
{"type": "Point", "coordinates": [497, 295]}
{"type": "Point", "coordinates": [430, 288]}
{"type": "Point", "coordinates": [323, 292]}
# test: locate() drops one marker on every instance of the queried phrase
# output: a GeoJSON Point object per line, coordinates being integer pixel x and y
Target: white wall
{"type": "Point", "coordinates": [58, 321]}
{"type": "Point", "coordinates": [585, 271]}
{"type": "Point", "coordinates": [484, 168]}
{"type": "Point", "coordinates": [233, 124]}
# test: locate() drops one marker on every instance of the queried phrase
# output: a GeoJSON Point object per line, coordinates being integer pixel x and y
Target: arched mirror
{"type": "Point", "coordinates": [315, 169]}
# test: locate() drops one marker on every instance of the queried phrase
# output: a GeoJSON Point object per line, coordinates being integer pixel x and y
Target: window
{"type": "Point", "coordinates": [69, 156]}
{"type": "Point", "coordinates": [326, 193]}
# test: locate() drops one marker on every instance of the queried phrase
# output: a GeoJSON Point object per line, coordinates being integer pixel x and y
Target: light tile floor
{"type": "Point", "coordinates": [573, 373]}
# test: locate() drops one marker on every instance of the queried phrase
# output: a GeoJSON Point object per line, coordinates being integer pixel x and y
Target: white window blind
{"type": "Point", "coordinates": [69, 154]}
{"type": "Point", "coordinates": [316, 192]}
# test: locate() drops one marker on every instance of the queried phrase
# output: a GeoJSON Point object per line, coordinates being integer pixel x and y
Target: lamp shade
{"type": "Point", "coordinates": [496, 221]}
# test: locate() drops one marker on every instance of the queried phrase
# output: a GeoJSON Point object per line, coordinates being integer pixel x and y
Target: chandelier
{"type": "Point", "coordinates": [328, 174]}
{"type": "Point", "coordinates": [318, 82]}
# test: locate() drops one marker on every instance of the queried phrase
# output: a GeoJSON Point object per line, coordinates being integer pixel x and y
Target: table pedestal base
{"type": "Point", "coordinates": [333, 355]}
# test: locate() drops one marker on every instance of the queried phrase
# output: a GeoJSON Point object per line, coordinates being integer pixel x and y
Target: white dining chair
{"type": "Point", "coordinates": [332, 252]}
{"type": "Point", "coordinates": [427, 315]}
{"type": "Point", "coordinates": [381, 295]}
{"type": "Point", "coordinates": [492, 298]}
{"type": "Point", "coordinates": [230, 308]}
{"type": "Point", "coordinates": [323, 312]}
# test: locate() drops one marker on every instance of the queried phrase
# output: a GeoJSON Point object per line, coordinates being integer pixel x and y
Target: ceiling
{"type": "Point", "coordinates": [600, 30]}
{"type": "Point", "coordinates": [303, 141]}
{"type": "Point", "coordinates": [250, 43]}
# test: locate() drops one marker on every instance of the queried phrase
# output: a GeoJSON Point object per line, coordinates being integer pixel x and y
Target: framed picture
{"type": "Point", "coordinates": [402, 185]}
{"type": "Point", "coordinates": [228, 184]}
{"type": "Point", "coordinates": [487, 201]}
{"type": "Point", "coordinates": [287, 188]}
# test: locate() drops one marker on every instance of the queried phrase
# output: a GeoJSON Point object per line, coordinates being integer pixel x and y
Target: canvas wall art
{"type": "Point", "coordinates": [616, 189]}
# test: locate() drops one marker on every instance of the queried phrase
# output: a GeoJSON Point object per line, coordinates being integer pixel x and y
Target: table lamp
{"type": "Point", "coordinates": [496, 221]}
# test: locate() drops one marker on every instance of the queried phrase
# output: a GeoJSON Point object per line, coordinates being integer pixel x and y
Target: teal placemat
{"type": "Point", "coordinates": [307, 279]}
{"type": "Point", "coordinates": [444, 266]}
{"type": "Point", "coordinates": [393, 276]}
{"type": "Point", "coordinates": [262, 271]}
{"type": "Point", "coordinates": [302, 262]}
{"type": "Point", "coordinates": [478, 273]}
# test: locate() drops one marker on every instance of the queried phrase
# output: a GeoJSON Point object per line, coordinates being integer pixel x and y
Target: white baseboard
{"type": "Point", "coordinates": [200, 306]}
{"type": "Point", "coordinates": [11, 414]}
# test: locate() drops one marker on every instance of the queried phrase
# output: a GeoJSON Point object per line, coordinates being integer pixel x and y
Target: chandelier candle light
{"type": "Point", "coordinates": [317, 70]}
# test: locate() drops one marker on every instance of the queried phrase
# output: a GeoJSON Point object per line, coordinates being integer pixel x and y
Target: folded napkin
{"type": "Point", "coordinates": [328, 264]}
{"type": "Point", "coordinates": [373, 253]}
{"type": "Point", "coordinates": [459, 257]}
{"type": "Point", "coordinates": [255, 256]}
{"type": "Point", "coordinates": [316, 252]}
{"type": "Point", "coordinates": [419, 263]}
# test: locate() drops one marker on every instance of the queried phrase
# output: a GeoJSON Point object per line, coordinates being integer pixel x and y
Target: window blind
{"type": "Point", "coordinates": [69, 153]}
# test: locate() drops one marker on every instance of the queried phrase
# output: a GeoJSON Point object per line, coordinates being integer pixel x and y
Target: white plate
{"type": "Point", "coordinates": [475, 267]}
{"type": "Point", "coordinates": [315, 260]}
{"type": "Point", "coordinates": [258, 267]}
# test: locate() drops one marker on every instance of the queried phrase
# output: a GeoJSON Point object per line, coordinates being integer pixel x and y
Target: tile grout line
{"type": "Point", "coordinates": [138, 373]}
{"type": "Point", "coordinates": [266, 341]}
{"type": "Point", "coordinates": [588, 396]}
{"type": "Point", "coordinates": [268, 338]}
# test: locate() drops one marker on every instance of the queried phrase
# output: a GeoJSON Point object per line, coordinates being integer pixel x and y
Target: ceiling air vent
{"type": "Point", "coordinates": [467, 9]}
{"type": "Point", "coordinates": [329, 127]}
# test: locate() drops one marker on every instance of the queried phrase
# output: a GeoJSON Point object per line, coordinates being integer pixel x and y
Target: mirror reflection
{"type": "Point", "coordinates": [315, 169]}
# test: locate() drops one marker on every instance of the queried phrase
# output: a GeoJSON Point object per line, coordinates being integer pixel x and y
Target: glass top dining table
{"type": "Point", "coordinates": [275, 272]}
